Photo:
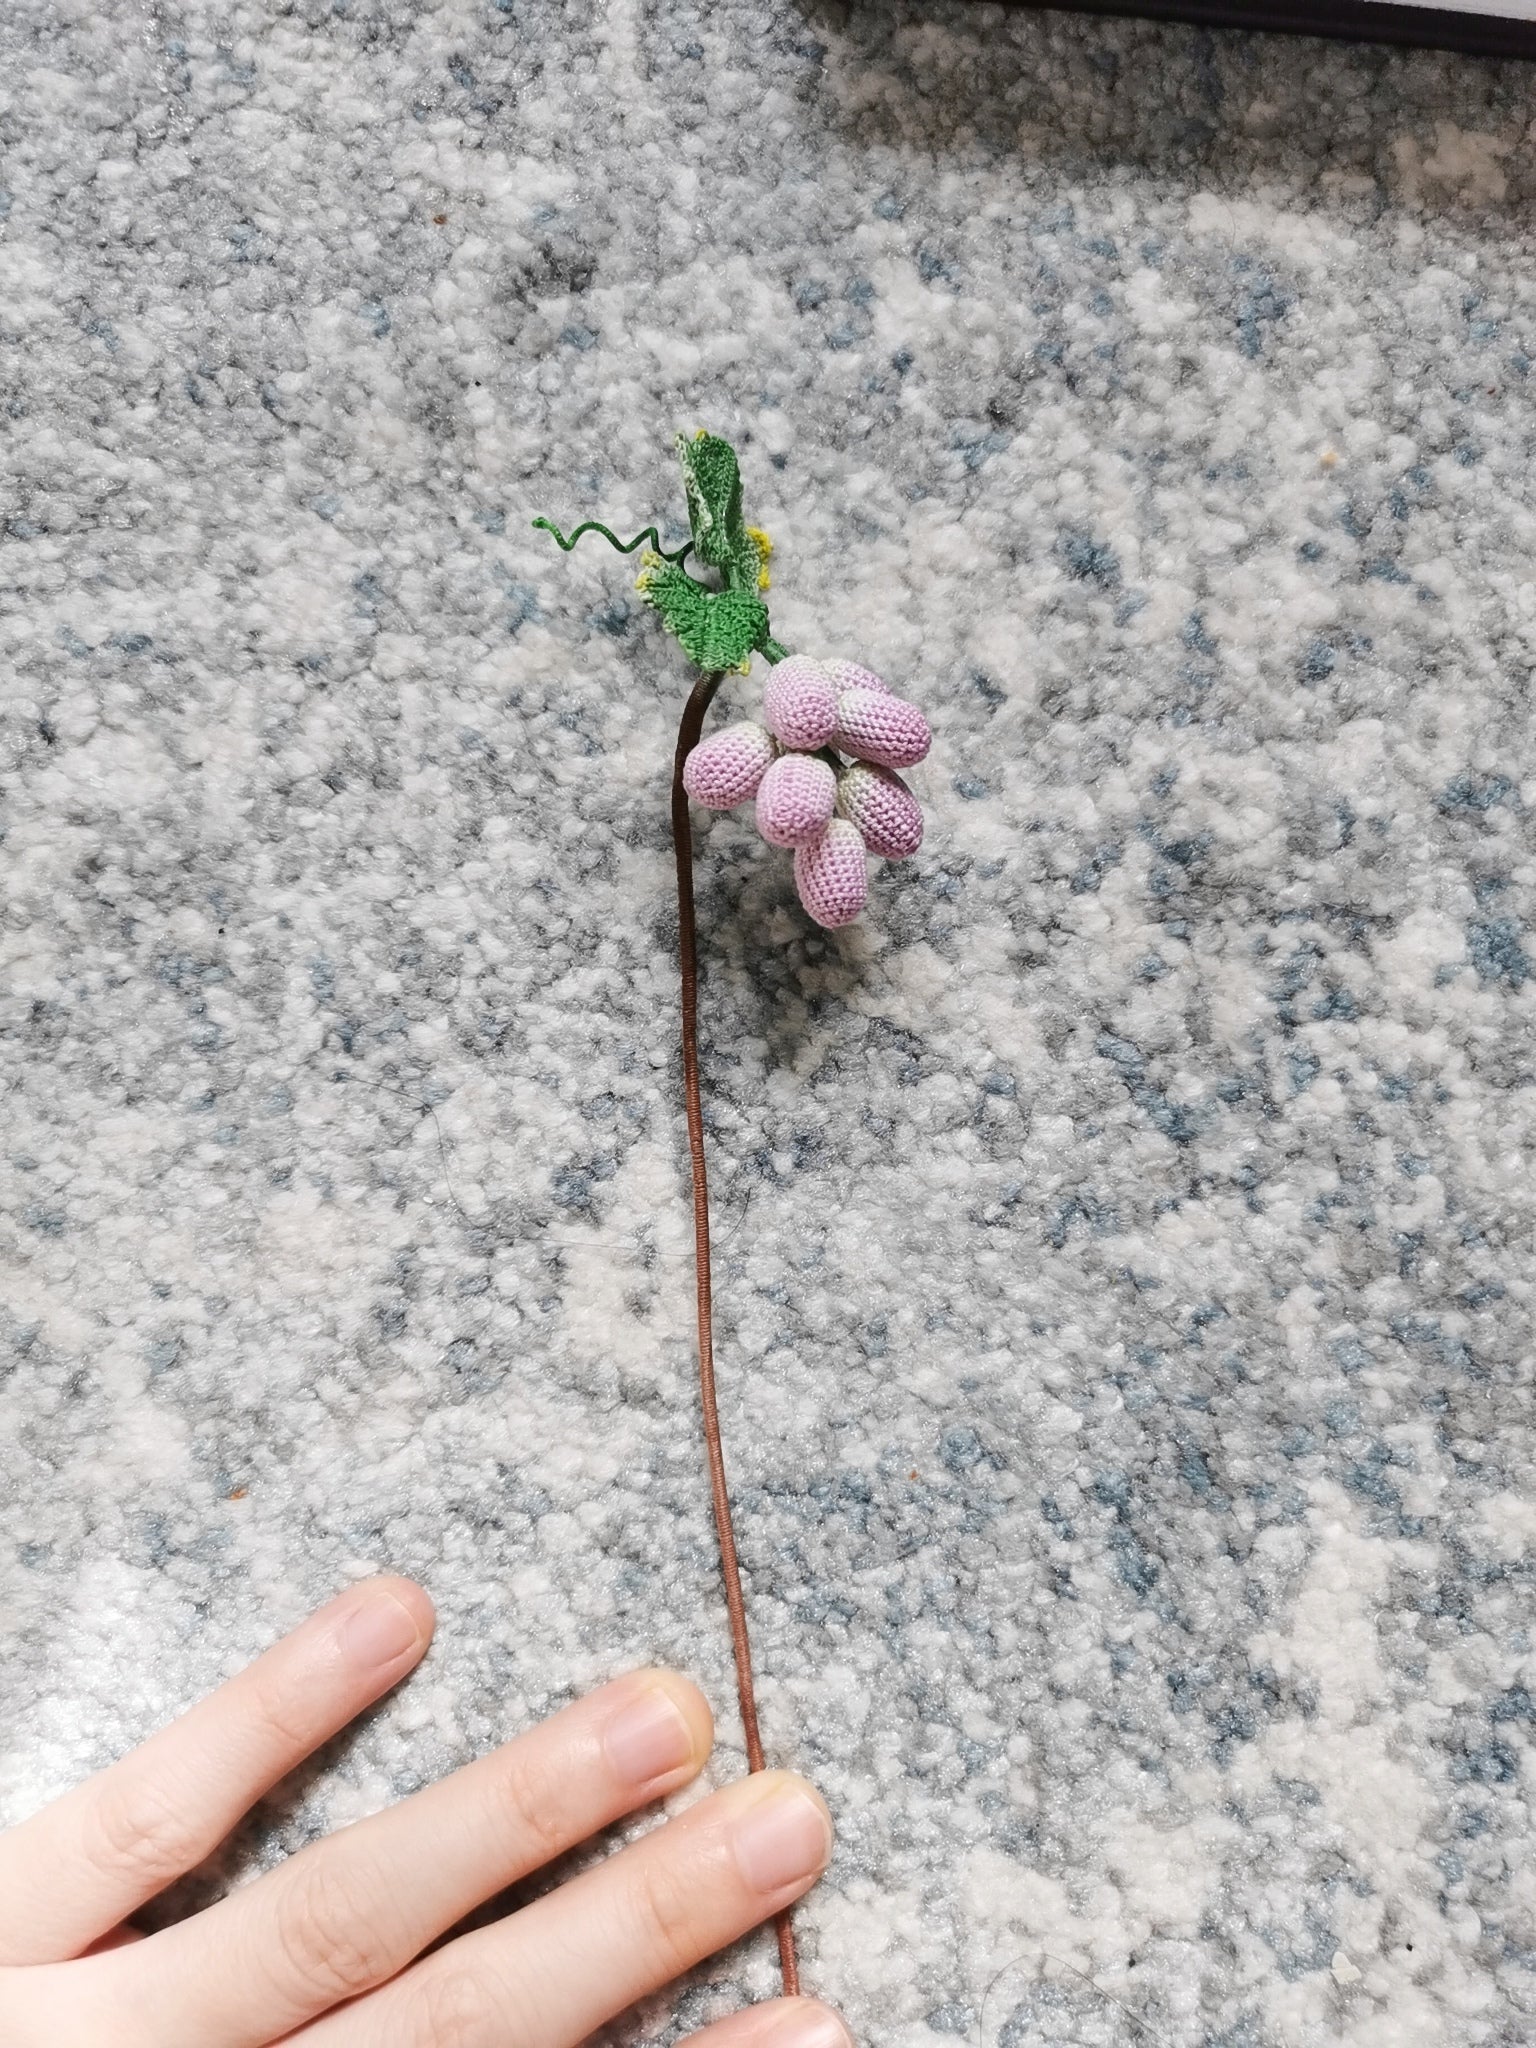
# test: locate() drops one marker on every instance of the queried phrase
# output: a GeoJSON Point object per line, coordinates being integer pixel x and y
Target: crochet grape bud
{"type": "Point", "coordinates": [886, 813]}
{"type": "Point", "coordinates": [852, 675]}
{"type": "Point", "coordinates": [832, 876]}
{"type": "Point", "coordinates": [888, 730]}
{"type": "Point", "coordinates": [795, 799]}
{"type": "Point", "coordinates": [799, 703]}
{"type": "Point", "coordinates": [725, 769]}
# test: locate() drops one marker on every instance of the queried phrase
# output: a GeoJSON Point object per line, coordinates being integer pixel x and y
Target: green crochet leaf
{"type": "Point", "coordinates": [712, 479]}
{"type": "Point", "coordinates": [718, 629]}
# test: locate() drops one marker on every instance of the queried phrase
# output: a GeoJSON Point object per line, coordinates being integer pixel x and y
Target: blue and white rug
{"type": "Point", "coordinates": [1125, 1240]}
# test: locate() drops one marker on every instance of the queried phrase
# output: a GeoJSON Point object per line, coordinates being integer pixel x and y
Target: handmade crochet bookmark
{"type": "Point", "coordinates": [820, 765]}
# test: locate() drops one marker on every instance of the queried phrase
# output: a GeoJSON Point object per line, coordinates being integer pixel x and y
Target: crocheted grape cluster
{"type": "Point", "coordinates": [829, 811]}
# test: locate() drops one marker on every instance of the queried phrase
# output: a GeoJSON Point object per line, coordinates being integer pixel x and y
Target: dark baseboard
{"type": "Point", "coordinates": [1357, 21]}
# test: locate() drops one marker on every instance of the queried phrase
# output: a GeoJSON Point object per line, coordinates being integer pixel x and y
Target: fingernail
{"type": "Point", "coordinates": [782, 1838]}
{"type": "Point", "coordinates": [808, 2026]}
{"type": "Point", "coordinates": [648, 1738]}
{"type": "Point", "coordinates": [378, 1631]}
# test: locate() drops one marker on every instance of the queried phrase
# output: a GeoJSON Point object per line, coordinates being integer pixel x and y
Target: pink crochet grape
{"type": "Point", "coordinates": [725, 769]}
{"type": "Point", "coordinates": [832, 876]}
{"type": "Point", "coordinates": [852, 675]}
{"type": "Point", "coordinates": [882, 807]}
{"type": "Point", "coordinates": [800, 703]}
{"type": "Point", "coordinates": [795, 799]}
{"type": "Point", "coordinates": [881, 728]}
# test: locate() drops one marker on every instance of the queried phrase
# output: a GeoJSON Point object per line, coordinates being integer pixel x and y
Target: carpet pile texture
{"type": "Point", "coordinates": [1124, 1233]}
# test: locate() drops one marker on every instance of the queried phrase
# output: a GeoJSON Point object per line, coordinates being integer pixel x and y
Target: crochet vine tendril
{"type": "Point", "coordinates": [625, 547]}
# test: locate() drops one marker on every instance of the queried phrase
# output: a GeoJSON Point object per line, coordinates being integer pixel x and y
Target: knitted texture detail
{"type": "Point", "coordinates": [852, 675]}
{"type": "Point", "coordinates": [712, 480]}
{"type": "Point", "coordinates": [886, 813]}
{"type": "Point", "coordinates": [832, 876]}
{"type": "Point", "coordinates": [725, 769]}
{"type": "Point", "coordinates": [764, 550]}
{"type": "Point", "coordinates": [795, 799]}
{"type": "Point", "coordinates": [881, 728]}
{"type": "Point", "coordinates": [718, 629]}
{"type": "Point", "coordinates": [800, 704]}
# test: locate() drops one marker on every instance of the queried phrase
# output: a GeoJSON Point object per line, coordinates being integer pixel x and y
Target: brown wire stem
{"type": "Point", "coordinates": [689, 728]}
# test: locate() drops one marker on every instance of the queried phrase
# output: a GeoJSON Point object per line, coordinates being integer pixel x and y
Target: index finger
{"type": "Point", "coordinates": [73, 1871]}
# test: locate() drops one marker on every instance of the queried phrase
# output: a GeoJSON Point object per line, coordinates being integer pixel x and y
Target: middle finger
{"type": "Point", "coordinates": [347, 1913]}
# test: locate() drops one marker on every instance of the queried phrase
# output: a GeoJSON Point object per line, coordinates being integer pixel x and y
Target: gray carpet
{"type": "Point", "coordinates": [1125, 1230]}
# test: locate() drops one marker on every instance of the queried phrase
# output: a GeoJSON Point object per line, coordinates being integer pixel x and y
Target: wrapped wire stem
{"type": "Point", "coordinates": [688, 731]}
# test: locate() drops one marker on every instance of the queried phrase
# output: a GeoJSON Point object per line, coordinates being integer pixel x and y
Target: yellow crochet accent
{"type": "Point", "coordinates": [765, 549]}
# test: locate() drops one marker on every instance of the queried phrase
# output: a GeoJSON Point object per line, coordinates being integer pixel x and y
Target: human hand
{"type": "Point", "coordinates": [326, 1950]}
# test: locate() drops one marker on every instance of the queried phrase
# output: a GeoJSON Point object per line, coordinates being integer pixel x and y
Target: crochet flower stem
{"type": "Point", "coordinates": [689, 728]}
{"type": "Point", "coordinates": [831, 811]}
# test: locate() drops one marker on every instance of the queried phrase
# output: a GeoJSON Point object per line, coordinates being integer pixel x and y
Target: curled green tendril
{"type": "Point", "coordinates": [625, 547]}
